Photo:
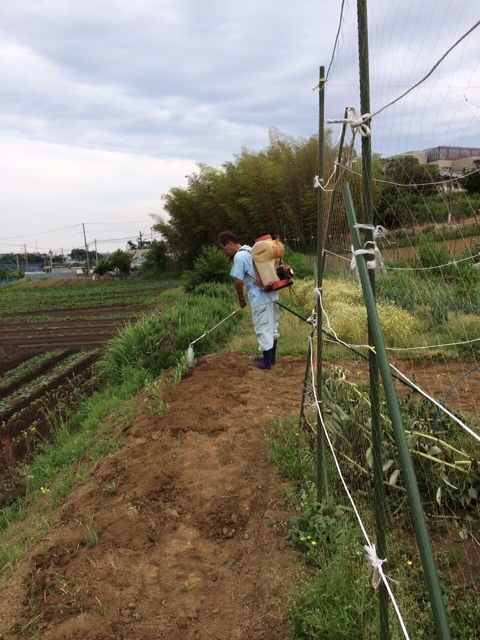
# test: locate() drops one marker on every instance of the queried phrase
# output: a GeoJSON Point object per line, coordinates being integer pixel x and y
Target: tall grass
{"type": "Point", "coordinates": [157, 341]}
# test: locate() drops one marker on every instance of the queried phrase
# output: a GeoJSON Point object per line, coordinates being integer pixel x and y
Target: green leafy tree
{"type": "Point", "coordinates": [257, 193]}
{"type": "Point", "coordinates": [212, 266]}
{"type": "Point", "coordinates": [471, 182]}
{"type": "Point", "coordinates": [406, 184]}
{"type": "Point", "coordinates": [120, 260]}
{"type": "Point", "coordinates": [79, 255]}
{"type": "Point", "coordinates": [102, 267]}
{"type": "Point", "coordinates": [157, 259]}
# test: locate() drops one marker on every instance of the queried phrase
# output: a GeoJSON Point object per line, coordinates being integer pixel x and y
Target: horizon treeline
{"type": "Point", "coordinates": [272, 192]}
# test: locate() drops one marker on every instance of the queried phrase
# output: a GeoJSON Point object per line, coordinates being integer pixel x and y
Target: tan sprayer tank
{"type": "Point", "coordinates": [267, 255]}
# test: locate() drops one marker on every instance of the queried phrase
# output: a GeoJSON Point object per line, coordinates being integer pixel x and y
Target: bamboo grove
{"type": "Point", "coordinates": [272, 191]}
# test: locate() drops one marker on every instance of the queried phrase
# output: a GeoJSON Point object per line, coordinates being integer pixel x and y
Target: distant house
{"type": "Point", "coordinates": [457, 159]}
{"type": "Point", "coordinates": [138, 257]}
{"type": "Point", "coordinates": [452, 162]}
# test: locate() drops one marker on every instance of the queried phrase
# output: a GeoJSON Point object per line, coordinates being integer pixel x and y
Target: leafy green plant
{"type": "Point", "coordinates": [212, 266]}
{"type": "Point", "coordinates": [319, 529]}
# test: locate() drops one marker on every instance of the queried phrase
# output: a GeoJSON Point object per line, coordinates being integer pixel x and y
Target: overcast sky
{"type": "Point", "coordinates": [108, 104]}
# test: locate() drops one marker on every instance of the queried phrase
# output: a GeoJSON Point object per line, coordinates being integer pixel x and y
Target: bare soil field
{"type": "Point", "coordinates": [65, 329]}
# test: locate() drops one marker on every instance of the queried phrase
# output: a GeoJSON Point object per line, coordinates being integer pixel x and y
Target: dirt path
{"type": "Point", "coordinates": [192, 543]}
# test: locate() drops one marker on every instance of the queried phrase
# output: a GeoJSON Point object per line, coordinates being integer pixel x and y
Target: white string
{"type": "Point", "coordinates": [433, 346]}
{"type": "Point", "coordinates": [438, 266]}
{"type": "Point", "coordinates": [336, 255]}
{"type": "Point", "coordinates": [437, 404]}
{"type": "Point", "coordinates": [373, 561]}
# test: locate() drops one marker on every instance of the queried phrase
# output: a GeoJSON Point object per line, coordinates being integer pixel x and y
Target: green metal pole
{"type": "Point", "coordinates": [413, 494]}
{"type": "Point", "coordinates": [322, 477]}
{"type": "Point", "coordinates": [377, 436]}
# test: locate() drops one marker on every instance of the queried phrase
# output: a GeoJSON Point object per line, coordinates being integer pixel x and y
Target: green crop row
{"type": "Point", "coordinates": [23, 369]}
{"type": "Point", "coordinates": [42, 380]}
{"type": "Point", "coordinates": [20, 299]}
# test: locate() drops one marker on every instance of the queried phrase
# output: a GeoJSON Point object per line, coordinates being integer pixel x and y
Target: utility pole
{"type": "Point", "coordinates": [96, 253]}
{"type": "Point", "coordinates": [86, 249]}
{"type": "Point", "coordinates": [26, 256]}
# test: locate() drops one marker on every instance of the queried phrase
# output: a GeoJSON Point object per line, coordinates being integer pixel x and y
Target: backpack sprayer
{"type": "Point", "coordinates": [267, 255]}
{"type": "Point", "coordinates": [190, 355]}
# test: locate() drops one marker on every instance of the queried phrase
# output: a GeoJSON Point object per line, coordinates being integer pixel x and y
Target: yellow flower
{"type": "Point", "coordinates": [409, 562]}
{"type": "Point", "coordinates": [43, 490]}
{"type": "Point", "coordinates": [314, 544]}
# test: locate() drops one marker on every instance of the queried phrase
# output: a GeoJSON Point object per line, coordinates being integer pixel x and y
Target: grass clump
{"type": "Point", "coordinates": [158, 341]}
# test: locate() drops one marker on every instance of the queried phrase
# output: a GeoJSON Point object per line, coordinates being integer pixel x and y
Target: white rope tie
{"type": "Point", "coordinates": [356, 122]}
{"type": "Point", "coordinates": [377, 264]}
{"type": "Point", "coordinates": [318, 182]}
{"type": "Point", "coordinates": [378, 231]}
{"type": "Point", "coordinates": [374, 565]}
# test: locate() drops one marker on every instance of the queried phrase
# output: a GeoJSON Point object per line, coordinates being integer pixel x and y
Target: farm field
{"type": "Point", "coordinates": [51, 335]}
{"type": "Point", "coordinates": [190, 520]}
{"type": "Point", "coordinates": [69, 313]}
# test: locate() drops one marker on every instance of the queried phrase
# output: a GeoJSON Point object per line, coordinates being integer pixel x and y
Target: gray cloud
{"type": "Point", "coordinates": [182, 81]}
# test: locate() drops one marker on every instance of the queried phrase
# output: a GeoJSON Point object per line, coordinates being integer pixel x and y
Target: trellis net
{"type": "Point", "coordinates": [425, 224]}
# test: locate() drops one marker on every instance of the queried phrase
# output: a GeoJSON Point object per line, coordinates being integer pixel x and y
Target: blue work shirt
{"type": "Point", "coordinates": [242, 269]}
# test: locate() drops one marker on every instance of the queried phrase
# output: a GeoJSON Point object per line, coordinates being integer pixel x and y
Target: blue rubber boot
{"type": "Point", "coordinates": [266, 362]}
{"type": "Point", "coordinates": [274, 352]}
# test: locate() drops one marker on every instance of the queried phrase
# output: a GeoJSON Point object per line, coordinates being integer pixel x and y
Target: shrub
{"type": "Point", "coordinates": [102, 267]}
{"type": "Point", "coordinates": [121, 260]}
{"type": "Point", "coordinates": [212, 266]}
{"type": "Point", "coordinates": [298, 263]}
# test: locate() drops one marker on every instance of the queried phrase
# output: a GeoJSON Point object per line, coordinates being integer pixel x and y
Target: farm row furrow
{"type": "Point", "coordinates": [73, 335]}
{"type": "Point", "coordinates": [75, 341]}
{"type": "Point", "coordinates": [61, 325]}
{"type": "Point", "coordinates": [27, 373]}
{"type": "Point", "coordinates": [96, 313]}
{"type": "Point", "coordinates": [25, 396]}
{"type": "Point", "coordinates": [20, 436]}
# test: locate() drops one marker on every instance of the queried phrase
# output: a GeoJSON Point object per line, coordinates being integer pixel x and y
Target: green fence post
{"type": "Point", "coordinates": [419, 523]}
{"type": "Point", "coordinates": [322, 476]}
